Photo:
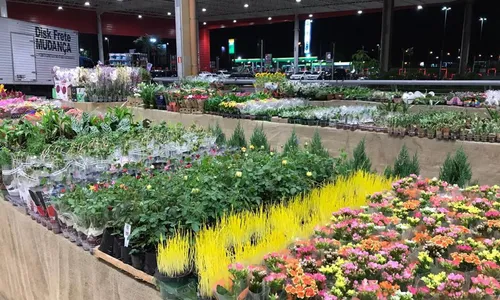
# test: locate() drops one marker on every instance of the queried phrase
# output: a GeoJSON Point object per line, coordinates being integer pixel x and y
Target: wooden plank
{"type": "Point", "coordinates": [139, 275]}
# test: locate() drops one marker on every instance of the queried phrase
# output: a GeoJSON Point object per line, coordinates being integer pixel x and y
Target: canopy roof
{"type": "Point", "coordinates": [217, 10]}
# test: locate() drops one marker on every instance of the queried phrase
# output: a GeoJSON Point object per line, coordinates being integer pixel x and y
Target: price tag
{"type": "Point", "coordinates": [126, 233]}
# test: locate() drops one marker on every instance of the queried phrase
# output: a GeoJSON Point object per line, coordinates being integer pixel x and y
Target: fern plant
{"type": "Point", "coordinates": [259, 138]}
{"type": "Point", "coordinates": [456, 169]}
{"type": "Point", "coordinates": [238, 138]}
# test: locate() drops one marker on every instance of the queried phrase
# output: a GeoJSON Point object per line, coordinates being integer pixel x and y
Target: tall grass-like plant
{"type": "Point", "coordinates": [316, 147]}
{"type": "Point", "coordinates": [175, 256]}
{"type": "Point", "coordinates": [404, 165]}
{"type": "Point", "coordinates": [253, 234]}
{"type": "Point", "coordinates": [238, 138]}
{"type": "Point", "coordinates": [360, 160]}
{"type": "Point", "coordinates": [456, 169]}
{"type": "Point", "coordinates": [292, 145]}
{"type": "Point", "coordinates": [259, 138]}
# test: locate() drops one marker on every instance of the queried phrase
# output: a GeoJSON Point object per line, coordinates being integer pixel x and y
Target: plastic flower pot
{"type": "Point", "coordinates": [125, 255]}
{"type": "Point", "coordinates": [182, 287]}
{"type": "Point", "coordinates": [106, 242]}
{"type": "Point", "coordinates": [138, 260]}
{"type": "Point", "coordinates": [150, 264]}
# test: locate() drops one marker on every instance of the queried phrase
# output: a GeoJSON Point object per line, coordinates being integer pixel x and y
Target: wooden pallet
{"type": "Point", "coordinates": [139, 275]}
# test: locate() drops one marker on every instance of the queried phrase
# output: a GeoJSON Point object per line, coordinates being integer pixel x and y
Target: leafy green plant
{"type": "Point", "coordinates": [259, 138]}
{"type": "Point", "coordinates": [238, 138]}
{"type": "Point", "coordinates": [456, 169]}
{"type": "Point", "coordinates": [360, 160]}
{"type": "Point", "coordinates": [292, 145]}
{"type": "Point", "coordinates": [316, 147]}
{"type": "Point", "coordinates": [404, 165]}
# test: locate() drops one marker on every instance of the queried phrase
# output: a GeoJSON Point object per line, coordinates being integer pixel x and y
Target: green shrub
{"type": "Point", "coordinates": [456, 169]}
{"type": "Point", "coordinates": [316, 147]}
{"type": "Point", "coordinates": [238, 138]}
{"type": "Point", "coordinates": [404, 165]}
{"type": "Point", "coordinates": [292, 145]}
{"type": "Point", "coordinates": [360, 160]}
{"type": "Point", "coordinates": [218, 133]}
{"type": "Point", "coordinates": [259, 138]}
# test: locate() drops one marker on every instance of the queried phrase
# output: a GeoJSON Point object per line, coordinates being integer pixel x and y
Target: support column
{"type": "Point", "coordinates": [100, 41]}
{"type": "Point", "coordinates": [186, 32]}
{"type": "Point", "coordinates": [466, 36]}
{"type": "Point", "coordinates": [3, 8]}
{"type": "Point", "coordinates": [296, 31]}
{"type": "Point", "coordinates": [386, 39]}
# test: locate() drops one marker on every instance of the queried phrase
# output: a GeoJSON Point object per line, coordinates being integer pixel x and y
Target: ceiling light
{"type": "Point", "coordinates": [420, 7]}
{"type": "Point", "coordinates": [169, 13]}
{"type": "Point", "coordinates": [270, 18]}
{"type": "Point", "coordinates": [310, 15]}
{"type": "Point", "coordinates": [234, 21]}
{"type": "Point", "coordinates": [246, 5]}
{"type": "Point", "coordinates": [139, 16]}
{"type": "Point", "coordinates": [204, 23]}
{"type": "Point", "coordinates": [87, 3]}
{"type": "Point", "coordinates": [203, 9]}
{"type": "Point", "coordinates": [360, 12]}
{"type": "Point", "coordinates": [60, 8]}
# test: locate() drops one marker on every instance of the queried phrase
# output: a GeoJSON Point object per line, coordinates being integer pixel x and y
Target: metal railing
{"type": "Point", "coordinates": [444, 83]}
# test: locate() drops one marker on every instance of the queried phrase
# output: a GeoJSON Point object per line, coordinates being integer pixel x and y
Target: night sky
{"type": "Point", "coordinates": [422, 30]}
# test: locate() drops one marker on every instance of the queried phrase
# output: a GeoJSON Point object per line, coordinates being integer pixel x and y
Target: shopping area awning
{"type": "Point", "coordinates": [218, 10]}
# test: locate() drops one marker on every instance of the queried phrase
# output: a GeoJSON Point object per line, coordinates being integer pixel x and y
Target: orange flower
{"type": "Point", "coordinates": [310, 292]}
{"type": "Point", "coordinates": [411, 204]}
{"type": "Point", "coordinates": [290, 289]}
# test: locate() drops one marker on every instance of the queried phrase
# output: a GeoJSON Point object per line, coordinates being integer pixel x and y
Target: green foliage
{"type": "Point", "coordinates": [238, 138]}
{"type": "Point", "coordinates": [292, 145]}
{"type": "Point", "coordinates": [404, 165]}
{"type": "Point", "coordinates": [218, 133]}
{"type": "Point", "coordinates": [316, 147]}
{"type": "Point", "coordinates": [456, 169]}
{"type": "Point", "coordinates": [259, 138]}
{"type": "Point", "coordinates": [360, 160]}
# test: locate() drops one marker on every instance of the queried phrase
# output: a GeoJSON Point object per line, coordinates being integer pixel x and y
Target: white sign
{"type": "Point", "coordinates": [126, 233]}
{"type": "Point", "coordinates": [307, 37]}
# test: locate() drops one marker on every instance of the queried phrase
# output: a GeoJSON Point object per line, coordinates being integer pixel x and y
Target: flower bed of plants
{"type": "Point", "coordinates": [423, 239]}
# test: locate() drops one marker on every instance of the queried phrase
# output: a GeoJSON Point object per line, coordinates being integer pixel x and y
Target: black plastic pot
{"type": "Point", "coordinates": [106, 242]}
{"type": "Point", "coordinates": [150, 264]}
{"type": "Point", "coordinates": [117, 251]}
{"type": "Point", "coordinates": [138, 261]}
{"type": "Point", "coordinates": [161, 103]}
{"type": "Point", "coordinates": [125, 255]}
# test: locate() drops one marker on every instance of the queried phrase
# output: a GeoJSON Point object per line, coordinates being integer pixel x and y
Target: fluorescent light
{"type": "Point", "coordinates": [360, 12]}
{"type": "Point", "coordinates": [246, 5]}
{"type": "Point", "coordinates": [87, 3]}
{"type": "Point", "coordinates": [310, 15]}
{"type": "Point", "coordinates": [420, 7]}
{"type": "Point", "coordinates": [139, 16]}
{"type": "Point", "coordinates": [270, 18]}
{"type": "Point", "coordinates": [60, 8]}
{"type": "Point", "coordinates": [203, 9]}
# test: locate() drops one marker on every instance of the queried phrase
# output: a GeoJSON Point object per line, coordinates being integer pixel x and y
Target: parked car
{"type": "Point", "coordinates": [207, 75]}
{"type": "Point", "coordinates": [322, 75]}
{"type": "Point", "coordinates": [340, 74]}
{"type": "Point", "coordinates": [300, 76]}
{"type": "Point", "coordinates": [223, 74]}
